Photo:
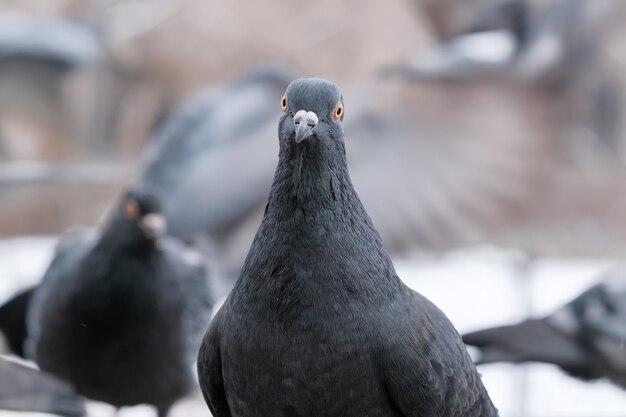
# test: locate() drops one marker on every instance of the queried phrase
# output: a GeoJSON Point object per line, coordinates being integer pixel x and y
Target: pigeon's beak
{"type": "Point", "coordinates": [153, 225]}
{"type": "Point", "coordinates": [304, 123]}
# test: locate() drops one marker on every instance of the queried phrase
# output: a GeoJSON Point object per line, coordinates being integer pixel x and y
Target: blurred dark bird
{"type": "Point", "coordinates": [120, 315]}
{"type": "Point", "coordinates": [29, 390]}
{"type": "Point", "coordinates": [585, 338]}
{"type": "Point", "coordinates": [319, 323]}
{"type": "Point", "coordinates": [13, 320]}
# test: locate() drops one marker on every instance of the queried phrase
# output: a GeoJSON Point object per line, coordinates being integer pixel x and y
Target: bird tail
{"type": "Point", "coordinates": [532, 340]}
{"type": "Point", "coordinates": [13, 321]}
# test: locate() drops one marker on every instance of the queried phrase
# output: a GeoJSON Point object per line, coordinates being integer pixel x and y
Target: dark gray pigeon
{"type": "Point", "coordinates": [27, 389]}
{"type": "Point", "coordinates": [318, 323]}
{"type": "Point", "coordinates": [120, 314]}
{"type": "Point", "coordinates": [585, 337]}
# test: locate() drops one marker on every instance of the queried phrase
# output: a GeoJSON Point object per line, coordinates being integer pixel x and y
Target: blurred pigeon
{"type": "Point", "coordinates": [318, 322]}
{"type": "Point", "coordinates": [585, 338]}
{"type": "Point", "coordinates": [215, 151]}
{"type": "Point", "coordinates": [13, 320]}
{"type": "Point", "coordinates": [120, 314]}
{"type": "Point", "coordinates": [27, 389]}
{"type": "Point", "coordinates": [482, 47]}
{"type": "Point", "coordinates": [518, 40]}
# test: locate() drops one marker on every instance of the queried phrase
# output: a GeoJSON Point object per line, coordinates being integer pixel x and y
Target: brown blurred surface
{"type": "Point", "coordinates": [562, 189]}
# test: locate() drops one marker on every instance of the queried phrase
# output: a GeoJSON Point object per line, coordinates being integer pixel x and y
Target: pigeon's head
{"type": "Point", "coordinates": [312, 109]}
{"type": "Point", "coordinates": [141, 211]}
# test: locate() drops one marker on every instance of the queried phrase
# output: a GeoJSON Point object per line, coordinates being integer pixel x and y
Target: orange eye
{"type": "Point", "coordinates": [283, 103]}
{"type": "Point", "coordinates": [131, 209]}
{"type": "Point", "coordinates": [338, 113]}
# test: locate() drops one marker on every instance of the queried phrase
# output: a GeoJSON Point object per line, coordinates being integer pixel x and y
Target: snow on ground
{"type": "Point", "coordinates": [475, 287]}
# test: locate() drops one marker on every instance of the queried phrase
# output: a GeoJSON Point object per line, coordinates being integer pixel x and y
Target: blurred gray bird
{"type": "Point", "coordinates": [485, 45]}
{"type": "Point", "coordinates": [210, 160]}
{"type": "Point", "coordinates": [30, 390]}
{"type": "Point", "coordinates": [120, 314]}
{"type": "Point", "coordinates": [585, 337]}
{"type": "Point", "coordinates": [554, 46]}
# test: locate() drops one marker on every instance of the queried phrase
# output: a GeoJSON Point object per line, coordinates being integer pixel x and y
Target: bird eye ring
{"type": "Point", "coordinates": [283, 103]}
{"type": "Point", "coordinates": [338, 113]}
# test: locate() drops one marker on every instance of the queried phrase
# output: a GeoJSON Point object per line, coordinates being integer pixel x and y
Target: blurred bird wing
{"type": "Point", "coordinates": [70, 249]}
{"type": "Point", "coordinates": [226, 183]}
{"type": "Point", "coordinates": [531, 340]}
{"type": "Point", "coordinates": [423, 188]}
{"type": "Point", "coordinates": [27, 389]}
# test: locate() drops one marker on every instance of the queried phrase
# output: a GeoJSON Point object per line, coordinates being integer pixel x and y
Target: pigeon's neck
{"type": "Point", "coordinates": [127, 238]}
{"type": "Point", "coordinates": [315, 229]}
{"type": "Point", "coordinates": [312, 187]}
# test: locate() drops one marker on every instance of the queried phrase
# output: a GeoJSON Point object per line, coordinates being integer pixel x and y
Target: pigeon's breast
{"type": "Point", "coordinates": [313, 363]}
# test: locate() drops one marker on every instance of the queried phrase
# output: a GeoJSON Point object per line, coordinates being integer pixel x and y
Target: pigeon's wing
{"type": "Point", "coordinates": [27, 389]}
{"type": "Point", "coordinates": [210, 370]}
{"type": "Point", "coordinates": [192, 276]}
{"type": "Point", "coordinates": [427, 370]}
{"type": "Point", "coordinates": [70, 249]}
{"type": "Point", "coordinates": [596, 321]}
{"type": "Point", "coordinates": [172, 142]}
{"type": "Point", "coordinates": [531, 340]}
{"type": "Point", "coordinates": [222, 143]}
{"type": "Point", "coordinates": [435, 186]}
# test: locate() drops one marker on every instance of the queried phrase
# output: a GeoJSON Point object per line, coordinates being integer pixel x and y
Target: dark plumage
{"type": "Point", "coordinates": [27, 389]}
{"type": "Point", "coordinates": [120, 315]}
{"type": "Point", "coordinates": [13, 320]}
{"type": "Point", "coordinates": [585, 338]}
{"type": "Point", "coordinates": [318, 322]}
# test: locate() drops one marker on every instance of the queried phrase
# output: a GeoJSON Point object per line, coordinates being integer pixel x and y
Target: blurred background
{"type": "Point", "coordinates": [486, 138]}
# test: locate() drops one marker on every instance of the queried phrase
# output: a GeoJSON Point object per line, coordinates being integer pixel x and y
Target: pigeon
{"type": "Point", "coordinates": [120, 314]}
{"type": "Point", "coordinates": [13, 320]}
{"type": "Point", "coordinates": [515, 41]}
{"type": "Point", "coordinates": [318, 322]}
{"type": "Point", "coordinates": [585, 337]}
{"type": "Point", "coordinates": [27, 389]}
{"type": "Point", "coordinates": [198, 150]}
